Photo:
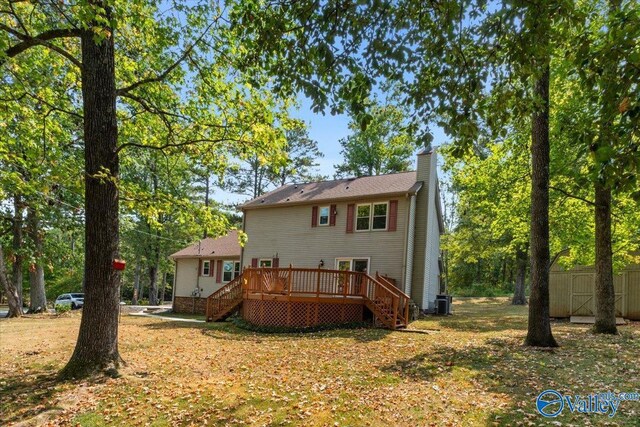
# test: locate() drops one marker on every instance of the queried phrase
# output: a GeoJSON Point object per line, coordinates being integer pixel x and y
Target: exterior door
{"type": "Point", "coordinates": [582, 302]}
{"type": "Point", "coordinates": [351, 284]}
{"type": "Point", "coordinates": [361, 265]}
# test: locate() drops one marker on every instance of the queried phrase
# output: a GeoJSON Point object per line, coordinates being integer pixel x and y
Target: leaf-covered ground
{"type": "Point", "coordinates": [466, 369]}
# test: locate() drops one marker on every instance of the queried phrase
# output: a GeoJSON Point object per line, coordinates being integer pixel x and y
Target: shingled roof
{"type": "Point", "coordinates": [225, 246]}
{"type": "Point", "coordinates": [341, 189]}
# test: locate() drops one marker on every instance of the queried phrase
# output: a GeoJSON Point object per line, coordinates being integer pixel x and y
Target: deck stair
{"type": "Point", "coordinates": [224, 301]}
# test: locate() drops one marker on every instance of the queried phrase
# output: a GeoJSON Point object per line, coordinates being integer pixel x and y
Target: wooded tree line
{"type": "Point", "coordinates": [133, 88]}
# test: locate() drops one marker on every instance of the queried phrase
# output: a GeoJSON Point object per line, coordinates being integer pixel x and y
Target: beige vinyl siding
{"type": "Point", "coordinates": [287, 233]}
{"type": "Point", "coordinates": [187, 277]}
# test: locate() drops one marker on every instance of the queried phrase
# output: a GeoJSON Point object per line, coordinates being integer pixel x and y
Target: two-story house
{"type": "Point", "coordinates": [385, 225]}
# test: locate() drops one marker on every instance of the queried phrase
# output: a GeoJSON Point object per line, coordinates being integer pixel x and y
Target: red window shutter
{"type": "Point", "coordinates": [314, 216]}
{"type": "Point", "coordinates": [211, 268]}
{"type": "Point", "coordinates": [199, 267]}
{"type": "Point", "coordinates": [350, 210]}
{"type": "Point", "coordinates": [275, 263]}
{"type": "Point", "coordinates": [218, 271]}
{"type": "Point", "coordinates": [332, 215]}
{"type": "Point", "coordinates": [393, 215]}
{"type": "Point", "coordinates": [254, 262]}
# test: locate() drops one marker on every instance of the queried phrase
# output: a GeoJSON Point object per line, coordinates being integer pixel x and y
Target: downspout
{"type": "Point", "coordinates": [410, 243]}
{"type": "Point", "coordinates": [244, 218]}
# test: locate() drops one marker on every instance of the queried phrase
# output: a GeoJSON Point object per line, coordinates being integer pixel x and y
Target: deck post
{"type": "Point", "coordinates": [395, 311]}
{"type": "Point", "coordinates": [318, 284]}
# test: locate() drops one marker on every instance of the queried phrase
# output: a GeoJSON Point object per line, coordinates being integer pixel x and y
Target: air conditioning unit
{"type": "Point", "coordinates": [443, 304]}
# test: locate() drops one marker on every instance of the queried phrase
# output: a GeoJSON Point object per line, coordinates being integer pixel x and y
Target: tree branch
{"type": "Point", "coordinates": [558, 255]}
{"type": "Point", "coordinates": [160, 77]}
{"type": "Point", "coordinates": [42, 39]}
{"type": "Point", "coordinates": [176, 144]}
{"type": "Point", "coordinates": [572, 196]}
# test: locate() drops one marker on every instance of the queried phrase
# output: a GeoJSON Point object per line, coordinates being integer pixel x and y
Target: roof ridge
{"type": "Point", "coordinates": [342, 179]}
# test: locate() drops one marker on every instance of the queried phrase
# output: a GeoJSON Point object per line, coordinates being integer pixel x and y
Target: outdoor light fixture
{"type": "Point", "coordinates": [321, 263]}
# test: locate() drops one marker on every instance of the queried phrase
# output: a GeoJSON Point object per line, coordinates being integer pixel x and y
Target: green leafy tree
{"type": "Point", "coordinates": [383, 146]}
{"type": "Point", "coordinates": [133, 63]}
{"type": "Point", "coordinates": [605, 54]}
{"type": "Point", "coordinates": [255, 175]}
{"type": "Point", "coordinates": [301, 161]}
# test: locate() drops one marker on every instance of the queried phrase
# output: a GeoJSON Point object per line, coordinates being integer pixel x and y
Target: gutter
{"type": "Point", "coordinates": [376, 196]}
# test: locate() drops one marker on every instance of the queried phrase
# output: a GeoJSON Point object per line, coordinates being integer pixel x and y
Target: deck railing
{"type": "Point", "coordinates": [388, 303]}
{"type": "Point", "coordinates": [224, 299]}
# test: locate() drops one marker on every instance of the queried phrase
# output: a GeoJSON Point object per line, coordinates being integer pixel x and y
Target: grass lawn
{"type": "Point", "coordinates": [469, 369]}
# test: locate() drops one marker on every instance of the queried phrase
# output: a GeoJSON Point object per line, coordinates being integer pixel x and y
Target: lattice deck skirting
{"type": "Point", "coordinates": [299, 314]}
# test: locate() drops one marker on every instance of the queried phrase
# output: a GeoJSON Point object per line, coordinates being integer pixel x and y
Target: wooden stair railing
{"type": "Point", "coordinates": [404, 305]}
{"type": "Point", "coordinates": [224, 300]}
{"type": "Point", "coordinates": [387, 303]}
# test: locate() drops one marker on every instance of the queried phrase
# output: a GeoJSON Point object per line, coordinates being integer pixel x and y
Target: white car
{"type": "Point", "coordinates": [72, 300]}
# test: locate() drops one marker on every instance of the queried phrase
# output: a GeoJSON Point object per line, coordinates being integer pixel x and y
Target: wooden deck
{"type": "Point", "coordinates": [309, 294]}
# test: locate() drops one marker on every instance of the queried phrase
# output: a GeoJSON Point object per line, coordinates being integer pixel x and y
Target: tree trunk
{"type": "Point", "coordinates": [38, 297]}
{"type": "Point", "coordinates": [605, 292]}
{"type": "Point", "coordinates": [18, 258]}
{"type": "Point", "coordinates": [519, 297]}
{"type": "Point", "coordinates": [605, 322]}
{"type": "Point", "coordinates": [163, 286]}
{"type": "Point", "coordinates": [97, 346]}
{"type": "Point", "coordinates": [539, 330]}
{"type": "Point", "coordinates": [153, 283]}
{"type": "Point", "coordinates": [136, 284]}
{"type": "Point", "coordinates": [15, 308]}
{"type": "Point", "coordinates": [206, 201]}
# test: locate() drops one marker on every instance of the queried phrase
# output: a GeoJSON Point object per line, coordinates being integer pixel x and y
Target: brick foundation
{"type": "Point", "coordinates": [185, 305]}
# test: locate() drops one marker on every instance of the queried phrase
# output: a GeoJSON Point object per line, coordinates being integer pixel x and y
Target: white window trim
{"type": "Point", "coordinates": [356, 217]}
{"type": "Point", "coordinates": [206, 262]}
{"type": "Point", "coordinates": [386, 221]}
{"type": "Point", "coordinates": [265, 259]}
{"type": "Point", "coordinates": [232, 269]}
{"type": "Point", "coordinates": [234, 273]}
{"type": "Point", "coordinates": [351, 259]}
{"type": "Point", "coordinates": [371, 207]}
{"type": "Point", "coordinates": [328, 208]}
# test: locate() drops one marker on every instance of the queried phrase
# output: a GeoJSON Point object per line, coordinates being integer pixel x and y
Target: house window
{"type": "Point", "coordinates": [265, 263]}
{"type": "Point", "coordinates": [363, 217]}
{"type": "Point", "coordinates": [230, 270]}
{"type": "Point", "coordinates": [379, 221]}
{"type": "Point", "coordinates": [323, 215]}
{"type": "Point", "coordinates": [372, 216]}
{"type": "Point", "coordinates": [206, 268]}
